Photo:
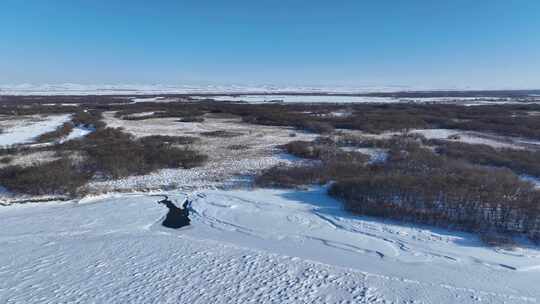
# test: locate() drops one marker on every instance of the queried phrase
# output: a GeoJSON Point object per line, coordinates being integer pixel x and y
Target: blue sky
{"type": "Point", "coordinates": [440, 44]}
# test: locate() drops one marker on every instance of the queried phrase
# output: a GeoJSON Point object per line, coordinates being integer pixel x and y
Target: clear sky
{"type": "Point", "coordinates": [464, 43]}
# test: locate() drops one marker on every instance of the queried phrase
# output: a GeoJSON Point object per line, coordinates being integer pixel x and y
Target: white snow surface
{"type": "Point", "coordinates": [246, 246]}
{"type": "Point", "coordinates": [21, 131]}
{"type": "Point", "coordinates": [302, 99]}
{"type": "Point", "coordinates": [153, 99]}
{"type": "Point", "coordinates": [329, 98]}
{"type": "Point", "coordinates": [346, 99]}
{"type": "Point", "coordinates": [472, 137]}
{"type": "Point", "coordinates": [140, 89]}
{"type": "Point", "coordinates": [78, 132]}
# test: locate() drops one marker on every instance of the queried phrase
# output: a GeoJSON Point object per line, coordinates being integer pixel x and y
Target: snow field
{"type": "Point", "coordinates": [25, 130]}
{"type": "Point", "coordinates": [112, 249]}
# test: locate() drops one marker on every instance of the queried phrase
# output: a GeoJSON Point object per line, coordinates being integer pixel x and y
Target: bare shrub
{"type": "Point", "coordinates": [521, 161]}
{"type": "Point", "coordinates": [56, 177]}
{"type": "Point", "coordinates": [6, 160]}
{"type": "Point", "coordinates": [319, 127]}
{"type": "Point", "coordinates": [88, 119]}
{"type": "Point", "coordinates": [423, 187]}
{"type": "Point", "coordinates": [221, 133]}
{"type": "Point", "coordinates": [114, 153]}
{"type": "Point", "coordinates": [159, 139]}
{"type": "Point", "coordinates": [238, 147]}
{"type": "Point", "coordinates": [192, 119]}
{"type": "Point", "coordinates": [498, 240]}
{"type": "Point", "coordinates": [303, 149]}
{"type": "Point", "coordinates": [290, 177]}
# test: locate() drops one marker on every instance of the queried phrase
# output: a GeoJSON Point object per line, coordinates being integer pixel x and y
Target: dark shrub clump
{"type": "Point", "coordinates": [118, 154]}
{"type": "Point", "coordinates": [520, 161]}
{"type": "Point", "coordinates": [221, 133]}
{"type": "Point", "coordinates": [6, 160]}
{"type": "Point", "coordinates": [191, 119]}
{"type": "Point", "coordinates": [164, 139]}
{"type": "Point", "coordinates": [419, 186]}
{"type": "Point", "coordinates": [290, 177]}
{"type": "Point", "coordinates": [56, 177]}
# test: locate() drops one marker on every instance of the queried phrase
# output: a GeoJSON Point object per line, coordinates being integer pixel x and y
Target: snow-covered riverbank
{"type": "Point", "coordinates": [265, 246]}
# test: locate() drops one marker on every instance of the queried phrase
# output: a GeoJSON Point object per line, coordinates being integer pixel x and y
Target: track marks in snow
{"type": "Point", "coordinates": [123, 255]}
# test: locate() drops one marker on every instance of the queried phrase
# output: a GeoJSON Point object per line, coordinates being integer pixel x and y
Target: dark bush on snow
{"type": "Point", "coordinates": [499, 240]}
{"type": "Point", "coordinates": [6, 160]}
{"type": "Point", "coordinates": [164, 139]}
{"type": "Point", "coordinates": [238, 147]}
{"type": "Point", "coordinates": [117, 154]}
{"type": "Point", "coordinates": [330, 163]}
{"type": "Point", "coordinates": [221, 133]}
{"type": "Point", "coordinates": [420, 186]}
{"type": "Point", "coordinates": [290, 177]}
{"type": "Point", "coordinates": [520, 161]}
{"type": "Point", "coordinates": [56, 177]}
{"type": "Point", "coordinates": [88, 119]}
{"type": "Point", "coordinates": [318, 127]}
{"type": "Point", "coordinates": [304, 149]}
{"type": "Point", "coordinates": [191, 119]}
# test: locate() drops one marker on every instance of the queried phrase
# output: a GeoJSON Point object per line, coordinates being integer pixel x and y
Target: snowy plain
{"type": "Point", "coordinates": [21, 131]}
{"type": "Point", "coordinates": [246, 246]}
{"type": "Point", "coordinates": [477, 138]}
{"type": "Point", "coordinates": [324, 98]}
{"type": "Point", "coordinates": [143, 89]}
{"type": "Point", "coordinates": [302, 99]}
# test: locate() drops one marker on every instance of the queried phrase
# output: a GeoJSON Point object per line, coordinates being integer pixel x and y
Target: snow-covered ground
{"type": "Point", "coordinates": [139, 89]}
{"type": "Point", "coordinates": [468, 101]}
{"type": "Point", "coordinates": [78, 132]}
{"type": "Point", "coordinates": [243, 245]}
{"type": "Point", "coordinates": [260, 246]}
{"type": "Point", "coordinates": [302, 99]}
{"type": "Point", "coordinates": [479, 138]}
{"type": "Point", "coordinates": [26, 129]}
{"type": "Point", "coordinates": [153, 99]}
{"type": "Point", "coordinates": [226, 164]}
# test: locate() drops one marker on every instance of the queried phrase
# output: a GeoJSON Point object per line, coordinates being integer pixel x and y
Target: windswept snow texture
{"type": "Point", "coordinates": [26, 130]}
{"type": "Point", "coordinates": [261, 246]}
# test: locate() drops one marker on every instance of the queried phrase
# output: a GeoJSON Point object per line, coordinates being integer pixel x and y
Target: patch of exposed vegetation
{"type": "Point", "coordinates": [191, 119]}
{"type": "Point", "coordinates": [56, 177]}
{"type": "Point", "coordinates": [520, 161]}
{"type": "Point", "coordinates": [6, 160]}
{"type": "Point", "coordinates": [238, 147]}
{"type": "Point", "coordinates": [105, 153]}
{"type": "Point", "coordinates": [175, 140]}
{"type": "Point", "coordinates": [114, 153]}
{"type": "Point", "coordinates": [416, 184]}
{"type": "Point", "coordinates": [221, 133]}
